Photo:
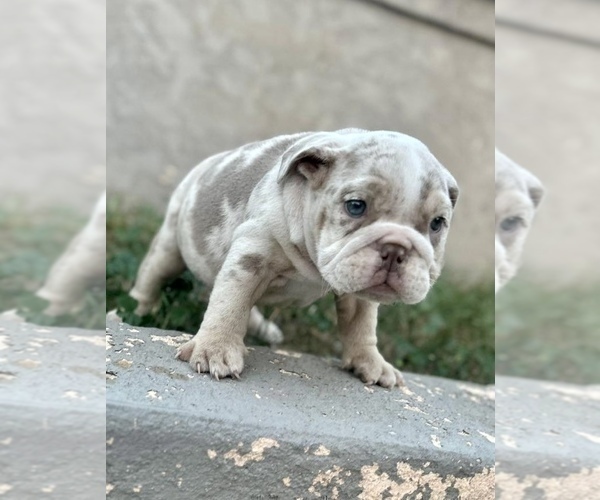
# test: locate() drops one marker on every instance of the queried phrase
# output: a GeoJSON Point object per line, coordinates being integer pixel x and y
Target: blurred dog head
{"type": "Point", "coordinates": [518, 194]}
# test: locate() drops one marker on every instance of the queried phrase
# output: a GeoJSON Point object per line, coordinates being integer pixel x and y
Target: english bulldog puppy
{"type": "Point", "coordinates": [81, 266]}
{"type": "Point", "coordinates": [362, 214]}
{"type": "Point", "coordinates": [518, 194]}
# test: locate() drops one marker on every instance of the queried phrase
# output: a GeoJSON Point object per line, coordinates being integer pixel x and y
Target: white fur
{"type": "Point", "coordinates": [266, 223]}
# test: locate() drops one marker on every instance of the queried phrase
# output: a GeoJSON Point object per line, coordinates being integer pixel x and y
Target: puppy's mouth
{"type": "Point", "coordinates": [383, 292]}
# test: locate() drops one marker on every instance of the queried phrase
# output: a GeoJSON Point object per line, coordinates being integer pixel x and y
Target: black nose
{"type": "Point", "coordinates": [392, 256]}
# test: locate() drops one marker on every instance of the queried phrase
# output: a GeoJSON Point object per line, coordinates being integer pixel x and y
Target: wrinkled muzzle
{"type": "Point", "coordinates": [385, 262]}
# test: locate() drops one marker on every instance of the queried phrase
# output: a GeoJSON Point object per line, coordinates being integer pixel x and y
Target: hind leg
{"type": "Point", "coordinates": [263, 329]}
{"type": "Point", "coordinates": [162, 262]}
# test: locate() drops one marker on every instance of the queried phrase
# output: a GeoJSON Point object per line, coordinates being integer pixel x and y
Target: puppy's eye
{"type": "Point", "coordinates": [356, 208]}
{"type": "Point", "coordinates": [511, 224]}
{"type": "Point", "coordinates": [437, 224]}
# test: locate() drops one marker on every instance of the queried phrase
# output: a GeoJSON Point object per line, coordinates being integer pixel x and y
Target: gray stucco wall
{"type": "Point", "coordinates": [547, 119]}
{"type": "Point", "coordinates": [52, 104]}
{"type": "Point", "coordinates": [186, 80]}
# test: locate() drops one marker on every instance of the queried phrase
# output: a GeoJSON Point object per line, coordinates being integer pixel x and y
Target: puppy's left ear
{"type": "Point", "coordinates": [453, 190]}
{"type": "Point", "coordinates": [535, 189]}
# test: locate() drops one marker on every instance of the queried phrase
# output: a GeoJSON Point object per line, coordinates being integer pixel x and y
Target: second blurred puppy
{"type": "Point", "coordinates": [518, 194]}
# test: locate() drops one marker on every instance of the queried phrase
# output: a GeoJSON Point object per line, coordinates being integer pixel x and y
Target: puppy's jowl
{"type": "Point", "coordinates": [518, 194]}
{"type": "Point", "coordinates": [362, 214]}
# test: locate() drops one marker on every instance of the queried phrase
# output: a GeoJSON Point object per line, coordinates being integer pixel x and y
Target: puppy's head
{"type": "Point", "coordinates": [377, 208]}
{"type": "Point", "coordinates": [518, 194]}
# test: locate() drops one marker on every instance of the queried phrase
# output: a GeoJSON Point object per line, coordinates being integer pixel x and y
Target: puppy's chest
{"type": "Point", "coordinates": [294, 290]}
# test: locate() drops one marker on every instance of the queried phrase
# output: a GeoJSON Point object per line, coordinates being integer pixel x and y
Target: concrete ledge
{"type": "Point", "coordinates": [52, 412]}
{"type": "Point", "coordinates": [548, 440]}
{"type": "Point", "coordinates": [295, 426]}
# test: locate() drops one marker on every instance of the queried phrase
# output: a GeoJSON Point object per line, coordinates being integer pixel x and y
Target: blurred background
{"type": "Point", "coordinates": [187, 80]}
{"type": "Point", "coordinates": [548, 120]}
{"type": "Point", "coordinates": [52, 146]}
{"type": "Point", "coordinates": [52, 176]}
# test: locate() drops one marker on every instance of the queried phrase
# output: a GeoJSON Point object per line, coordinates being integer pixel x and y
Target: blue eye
{"type": "Point", "coordinates": [356, 208]}
{"type": "Point", "coordinates": [511, 223]}
{"type": "Point", "coordinates": [437, 224]}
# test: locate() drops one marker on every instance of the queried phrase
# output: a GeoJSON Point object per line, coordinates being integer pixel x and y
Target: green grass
{"type": "Point", "coordinates": [450, 334]}
{"type": "Point", "coordinates": [548, 333]}
{"type": "Point", "coordinates": [30, 243]}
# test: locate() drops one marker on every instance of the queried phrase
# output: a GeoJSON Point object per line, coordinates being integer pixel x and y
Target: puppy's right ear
{"type": "Point", "coordinates": [311, 158]}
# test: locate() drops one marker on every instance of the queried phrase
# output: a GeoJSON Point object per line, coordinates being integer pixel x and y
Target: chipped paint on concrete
{"type": "Point", "coordinates": [45, 340]}
{"type": "Point", "coordinates": [124, 363]}
{"type": "Point", "coordinates": [295, 374]}
{"type": "Point", "coordinates": [584, 393]}
{"type": "Point", "coordinates": [489, 437]}
{"type": "Point", "coordinates": [153, 395]}
{"type": "Point", "coordinates": [73, 395]}
{"type": "Point", "coordinates": [414, 408]}
{"type": "Point", "coordinates": [321, 451]}
{"type": "Point", "coordinates": [171, 340]}
{"type": "Point", "coordinates": [286, 481]}
{"type": "Point", "coordinates": [376, 486]}
{"type": "Point", "coordinates": [92, 339]}
{"type": "Point", "coordinates": [289, 354]}
{"type": "Point", "coordinates": [582, 484]}
{"type": "Point", "coordinates": [132, 342]}
{"type": "Point", "coordinates": [436, 441]}
{"type": "Point", "coordinates": [589, 437]}
{"type": "Point", "coordinates": [508, 441]}
{"type": "Point", "coordinates": [325, 479]}
{"type": "Point", "coordinates": [486, 392]}
{"type": "Point", "coordinates": [5, 488]}
{"type": "Point", "coordinates": [257, 453]}
{"type": "Point", "coordinates": [378, 428]}
{"type": "Point", "coordinates": [29, 363]}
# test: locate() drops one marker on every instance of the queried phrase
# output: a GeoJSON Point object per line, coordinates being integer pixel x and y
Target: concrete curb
{"type": "Point", "coordinates": [296, 426]}
{"type": "Point", "coordinates": [52, 412]}
{"type": "Point", "coordinates": [548, 440]}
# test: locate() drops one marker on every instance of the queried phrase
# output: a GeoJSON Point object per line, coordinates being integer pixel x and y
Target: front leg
{"type": "Point", "coordinates": [357, 323]}
{"type": "Point", "coordinates": [218, 347]}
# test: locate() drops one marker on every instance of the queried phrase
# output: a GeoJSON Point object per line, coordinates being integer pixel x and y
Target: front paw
{"type": "Point", "coordinates": [215, 356]}
{"type": "Point", "coordinates": [371, 368]}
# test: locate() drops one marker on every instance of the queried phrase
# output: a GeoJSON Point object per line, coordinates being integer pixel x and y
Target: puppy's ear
{"type": "Point", "coordinates": [452, 187]}
{"type": "Point", "coordinates": [535, 189]}
{"type": "Point", "coordinates": [453, 191]}
{"type": "Point", "coordinates": [311, 158]}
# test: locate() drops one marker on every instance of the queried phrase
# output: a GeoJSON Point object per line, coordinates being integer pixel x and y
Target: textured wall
{"type": "Point", "coordinates": [52, 103]}
{"type": "Point", "coordinates": [548, 119]}
{"type": "Point", "coordinates": [188, 79]}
